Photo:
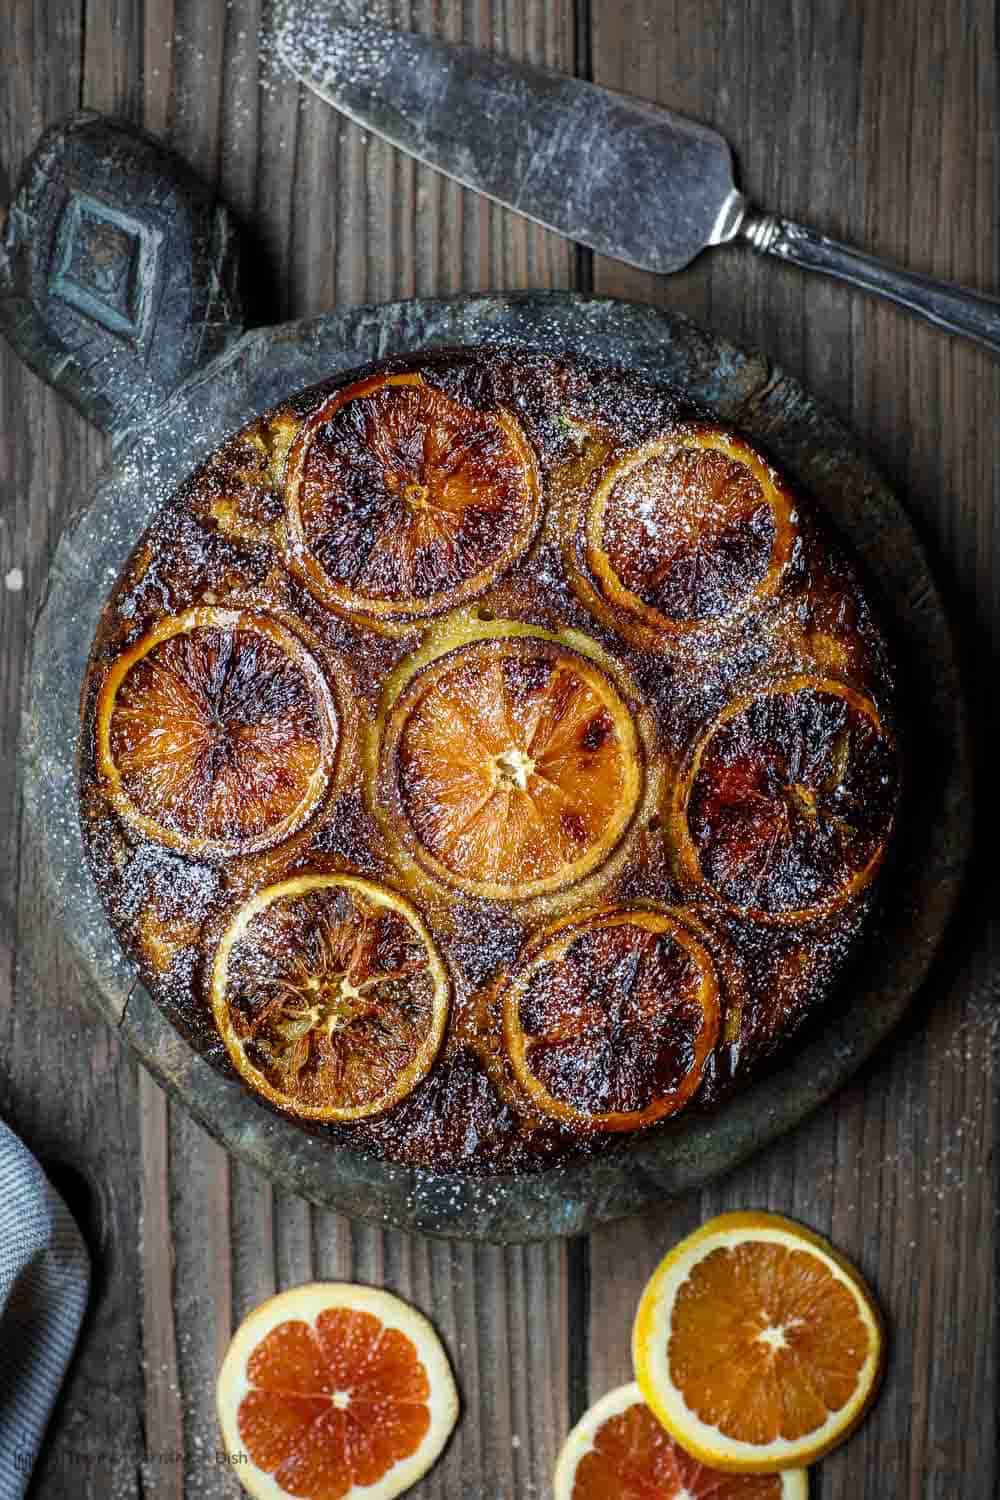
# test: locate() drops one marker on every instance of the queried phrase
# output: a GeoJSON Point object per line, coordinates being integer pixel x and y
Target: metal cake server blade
{"type": "Point", "coordinates": [624, 177]}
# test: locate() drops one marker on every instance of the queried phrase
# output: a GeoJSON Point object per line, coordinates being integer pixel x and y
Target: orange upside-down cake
{"type": "Point", "coordinates": [488, 757]}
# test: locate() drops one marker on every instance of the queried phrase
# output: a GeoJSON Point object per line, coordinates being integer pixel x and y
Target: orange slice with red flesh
{"type": "Point", "coordinates": [512, 765]}
{"type": "Point", "coordinates": [330, 996]}
{"type": "Point", "coordinates": [402, 501]}
{"type": "Point", "coordinates": [216, 732]}
{"type": "Point", "coordinates": [788, 801]}
{"type": "Point", "coordinates": [619, 1451]}
{"type": "Point", "coordinates": [610, 1019]}
{"type": "Point", "coordinates": [689, 532]}
{"type": "Point", "coordinates": [334, 1392]}
{"type": "Point", "coordinates": [756, 1344]}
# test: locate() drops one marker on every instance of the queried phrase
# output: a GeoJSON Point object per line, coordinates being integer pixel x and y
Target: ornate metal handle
{"type": "Point", "coordinates": [951, 307]}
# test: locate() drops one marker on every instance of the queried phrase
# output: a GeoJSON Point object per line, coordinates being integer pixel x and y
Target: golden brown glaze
{"type": "Point", "coordinates": [491, 757]}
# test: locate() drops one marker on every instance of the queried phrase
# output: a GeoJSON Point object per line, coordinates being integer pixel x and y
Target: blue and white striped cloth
{"type": "Point", "coordinates": [44, 1280]}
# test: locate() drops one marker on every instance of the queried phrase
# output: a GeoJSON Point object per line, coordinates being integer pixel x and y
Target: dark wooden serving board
{"type": "Point", "coordinates": [774, 410]}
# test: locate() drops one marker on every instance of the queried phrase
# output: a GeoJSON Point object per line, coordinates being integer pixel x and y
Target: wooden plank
{"type": "Point", "coordinates": [164, 1414]}
{"type": "Point", "coordinates": [112, 50]}
{"type": "Point", "coordinates": [157, 66]}
{"type": "Point", "coordinates": [875, 122]}
{"type": "Point", "coordinates": [66, 1088]}
{"type": "Point", "coordinates": [201, 1226]}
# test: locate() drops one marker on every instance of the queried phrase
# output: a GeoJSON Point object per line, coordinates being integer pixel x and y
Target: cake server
{"type": "Point", "coordinates": [625, 177]}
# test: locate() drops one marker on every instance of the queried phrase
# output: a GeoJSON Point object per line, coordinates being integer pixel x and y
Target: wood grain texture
{"type": "Point", "coordinates": [65, 1085]}
{"type": "Point", "coordinates": [872, 119]}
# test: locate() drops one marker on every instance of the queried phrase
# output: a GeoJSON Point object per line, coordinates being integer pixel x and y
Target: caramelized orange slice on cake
{"type": "Point", "coordinates": [332, 1391]}
{"type": "Point", "coordinates": [330, 996]}
{"type": "Point", "coordinates": [512, 765]}
{"type": "Point", "coordinates": [619, 1451]}
{"type": "Point", "coordinates": [401, 500]}
{"type": "Point", "coordinates": [756, 1344]}
{"type": "Point", "coordinates": [216, 733]}
{"type": "Point", "coordinates": [610, 1020]}
{"type": "Point", "coordinates": [688, 532]}
{"type": "Point", "coordinates": [789, 800]}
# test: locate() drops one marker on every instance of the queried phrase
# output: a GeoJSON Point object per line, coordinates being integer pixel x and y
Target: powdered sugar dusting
{"type": "Point", "coordinates": [312, 37]}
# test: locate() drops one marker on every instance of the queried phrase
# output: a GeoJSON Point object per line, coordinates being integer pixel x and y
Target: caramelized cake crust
{"type": "Point", "coordinates": [488, 757]}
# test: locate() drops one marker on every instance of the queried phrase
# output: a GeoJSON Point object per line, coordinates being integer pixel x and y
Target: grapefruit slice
{"type": "Point", "coordinates": [330, 996]}
{"type": "Point", "coordinates": [756, 1344]}
{"type": "Point", "coordinates": [334, 1392]}
{"type": "Point", "coordinates": [610, 1019]}
{"type": "Point", "coordinates": [619, 1451]}
{"type": "Point", "coordinates": [689, 532]}
{"type": "Point", "coordinates": [402, 501]}
{"type": "Point", "coordinates": [512, 765]}
{"type": "Point", "coordinates": [788, 801]}
{"type": "Point", "coordinates": [216, 732]}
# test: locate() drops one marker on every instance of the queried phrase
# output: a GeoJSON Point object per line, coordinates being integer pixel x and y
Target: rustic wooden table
{"type": "Point", "coordinates": [873, 119]}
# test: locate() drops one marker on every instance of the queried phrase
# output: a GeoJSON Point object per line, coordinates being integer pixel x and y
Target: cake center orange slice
{"type": "Point", "coordinates": [689, 531]}
{"type": "Point", "coordinates": [401, 500]}
{"type": "Point", "coordinates": [330, 996]}
{"type": "Point", "coordinates": [331, 1391]}
{"type": "Point", "coordinates": [610, 1020]}
{"type": "Point", "coordinates": [217, 732]}
{"type": "Point", "coordinates": [514, 765]}
{"type": "Point", "coordinates": [789, 800]}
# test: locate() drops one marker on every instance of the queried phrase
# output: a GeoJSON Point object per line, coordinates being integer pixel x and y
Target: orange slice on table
{"type": "Point", "coordinates": [611, 1018]}
{"type": "Point", "coordinates": [330, 996]}
{"type": "Point", "coordinates": [401, 500]}
{"type": "Point", "coordinates": [688, 532]}
{"type": "Point", "coordinates": [788, 801]}
{"type": "Point", "coordinates": [216, 732]}
{"type": "Point", "coordinates": [512, 764]}
{"type": "Point", "coordinates": [333, 1391]}
{"type": "Point", "coordinates": [756, 1344]}
{"type": "Point", "coordinates": [619, 1451]}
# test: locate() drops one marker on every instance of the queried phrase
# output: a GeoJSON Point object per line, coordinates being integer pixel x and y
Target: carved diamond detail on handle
{"type": "Point", "coordinates": [105, 264]}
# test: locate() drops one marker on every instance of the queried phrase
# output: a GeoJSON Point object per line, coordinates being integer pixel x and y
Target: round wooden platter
{"type": "Point", "coordinates": [744, 390]}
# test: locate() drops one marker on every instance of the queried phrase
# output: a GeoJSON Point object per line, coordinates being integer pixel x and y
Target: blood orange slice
{"type": "Point", "coordinates": [216, 732]}
{"type": "Point", "coordinates": [403, 501]}
{"type": "Point", "coordinates": [688, 532]}
{"type": "Point", "coordinates": [330, 996]}
{"type": "Point", "coordinates": [788, 801]}
{"type": "Point", "coordinates": [619, 1451]}
{"type": "Point", "coordinates": [334, 1392]}
{"type": "Point", "coordinates": [610, 1019]}
{"type": "Point", "coordinates": [756, 1344]}
{"type": "Point", "coordinates": [512, 764]}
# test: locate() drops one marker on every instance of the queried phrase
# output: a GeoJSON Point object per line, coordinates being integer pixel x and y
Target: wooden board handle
{"type": "Point", "coordinates": [118, 269]}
